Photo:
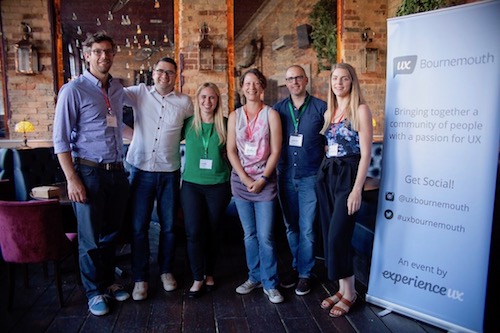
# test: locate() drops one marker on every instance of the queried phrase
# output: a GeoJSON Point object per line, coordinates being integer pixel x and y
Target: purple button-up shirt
{"type": "Point", "coordinates": [80, 123]}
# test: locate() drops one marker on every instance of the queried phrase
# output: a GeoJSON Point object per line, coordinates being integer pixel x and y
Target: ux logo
{"type": "Point", "coordinates": [404, 65]}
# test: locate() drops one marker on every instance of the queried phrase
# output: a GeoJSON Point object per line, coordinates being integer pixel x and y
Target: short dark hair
{"type": "Point", "coordinates": [97, 37]}
{"type": "Point", "coordinates": [262, 79]}
{"type": "Point", "coordinates": [169, 60]}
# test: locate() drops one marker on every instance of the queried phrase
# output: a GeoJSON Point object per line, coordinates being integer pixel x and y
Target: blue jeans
{"type": "Point", "coordinates": [147, 187]}
{"type": "Point", "coordinates": [298, 203]}
{"type": "Point", "coordinates": [99, 222]}
{"type": "Point", "coordinates": [257, 220]}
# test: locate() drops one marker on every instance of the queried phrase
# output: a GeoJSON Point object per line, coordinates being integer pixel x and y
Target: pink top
{"type": "Point", "coordinates": [254, 148]}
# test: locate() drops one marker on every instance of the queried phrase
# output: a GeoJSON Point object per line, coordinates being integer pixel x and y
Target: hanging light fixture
{"type": "Point", "coordinates": [139, 30]}
{"type": "Point", "coordinates": [26, 53]}
{"type": "Point", "coordinates": [157, 4]}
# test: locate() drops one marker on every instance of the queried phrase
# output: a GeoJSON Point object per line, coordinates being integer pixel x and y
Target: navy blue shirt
{"type": "Point", "coordinates": [302, 161]}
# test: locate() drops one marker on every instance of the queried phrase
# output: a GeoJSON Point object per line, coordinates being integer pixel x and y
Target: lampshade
{"type": "Point", "coordinates": [24, 127]}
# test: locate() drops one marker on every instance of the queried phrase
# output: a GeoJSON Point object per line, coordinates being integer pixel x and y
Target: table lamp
{"type": "Point", "coordinates": [24, 127]}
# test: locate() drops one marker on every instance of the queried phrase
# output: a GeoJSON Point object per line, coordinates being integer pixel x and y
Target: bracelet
{"type": "Point", "coordinates": [266, 179]}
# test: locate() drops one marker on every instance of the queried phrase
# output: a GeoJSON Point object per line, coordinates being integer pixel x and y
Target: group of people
{"type": "Point", "coordinates": [311, 155]}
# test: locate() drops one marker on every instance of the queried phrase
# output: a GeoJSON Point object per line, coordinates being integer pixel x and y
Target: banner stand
{"type": "Point", "coordinates": [431, 247]}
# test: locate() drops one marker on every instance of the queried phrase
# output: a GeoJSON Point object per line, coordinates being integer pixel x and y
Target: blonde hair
{"type": "Point", "coordinates": [218, 115]}
{"type": "Point", "coordinates": [356, 99]}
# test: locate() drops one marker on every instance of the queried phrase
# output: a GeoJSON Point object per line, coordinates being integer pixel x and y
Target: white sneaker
{"type": "Point", "coordinates": [274, 295]}
{"type": "Point", "coordinates": [168, 280]}
{"type": "Point", "coordinates": [140, 291]}
{"type": "Point", "coordinates": [247, 287]}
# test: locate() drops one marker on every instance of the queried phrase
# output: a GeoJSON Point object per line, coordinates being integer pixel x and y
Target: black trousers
{"type": "Point", "coordinates": [335, 181]}
{"type": "Point", "coordinates": [204, 208]}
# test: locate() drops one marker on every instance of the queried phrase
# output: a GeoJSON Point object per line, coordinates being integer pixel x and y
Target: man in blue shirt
{"type": "Point", "coordinates": [301, 155]}
{"type": "Point", "coordinates": [88, 142]}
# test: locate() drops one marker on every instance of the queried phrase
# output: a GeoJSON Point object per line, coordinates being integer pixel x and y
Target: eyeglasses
{"type": "Point", "coordinates": [99, 52]}
{"type": "Point", "coordinates": [293, 78]}
{"type": "Point", "coordinates": [164, 72]}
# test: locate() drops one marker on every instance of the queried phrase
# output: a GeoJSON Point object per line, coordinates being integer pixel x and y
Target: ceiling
{"type": "Point", "coordinates": [154, 22]}
{"type": "Point", "coordinates": [120, 19]}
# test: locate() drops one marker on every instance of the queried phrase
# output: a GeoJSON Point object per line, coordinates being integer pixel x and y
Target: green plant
{"type": "Point", "coordinates": [408, 7]}
{"type": "Point", "coordinates": [324, 34]}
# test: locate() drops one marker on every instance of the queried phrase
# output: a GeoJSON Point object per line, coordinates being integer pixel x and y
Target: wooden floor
{"type": "Point", "coordinates": [36, 309]}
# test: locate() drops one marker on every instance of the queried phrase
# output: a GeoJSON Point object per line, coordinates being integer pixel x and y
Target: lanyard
{"type": "Point", "coordinates": [340, 119]}
{"type": "Point", "coordinates": [249, 129]}
{"type": "Point", "coordinates": [301, 111]}
{"type": "Point", "coordinates": [205, 140]}
{"type": "Point", "coordinates": [106, 100]}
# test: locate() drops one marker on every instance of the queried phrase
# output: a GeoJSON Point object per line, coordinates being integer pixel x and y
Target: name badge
{"type": "Point", "coordinates": [205, 164]}
{"type": "Point", "coordinates": [333, 149]}
{"type": "Point", "coordinates": [296, 140]}
{"type": "Point", "coordinates": [250, 150]}
{"type": "Point", "coordinates": [111, 120]}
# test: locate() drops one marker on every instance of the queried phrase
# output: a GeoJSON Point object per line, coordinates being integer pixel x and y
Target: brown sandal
{"type": "Point", "coordinates": [342, 311]}
{"type": "Point", "coordinates": [331, 301]}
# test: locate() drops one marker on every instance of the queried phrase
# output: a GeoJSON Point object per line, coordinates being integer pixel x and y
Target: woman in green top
{"type": "Point", "coordinates": [205, 191]}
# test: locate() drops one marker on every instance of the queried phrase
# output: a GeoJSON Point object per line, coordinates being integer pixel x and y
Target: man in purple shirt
{"type": "Point", "coordinates": [88, 142]}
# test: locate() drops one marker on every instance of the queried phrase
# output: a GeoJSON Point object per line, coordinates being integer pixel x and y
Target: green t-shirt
{"type": "Point", "coordinates": [204, 161]}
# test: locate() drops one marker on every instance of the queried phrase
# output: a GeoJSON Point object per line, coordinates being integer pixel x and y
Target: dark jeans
{"type": "Point", "coordinates": [204, 208]}
{"type": "Point", "coordinates": [99, 222]}
{"type": "Point", "coordinates": [147, 187]}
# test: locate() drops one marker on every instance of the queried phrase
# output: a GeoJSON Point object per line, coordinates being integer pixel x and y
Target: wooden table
{"type": "Point", "coordinates": [62, 194]}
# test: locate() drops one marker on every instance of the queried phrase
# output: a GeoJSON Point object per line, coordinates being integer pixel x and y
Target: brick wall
{"type": "Point", "coordinates": [280, 18]}
{"type": "Point", "coordinates": [357, 17]}
{"type": "Point", "coordinates": [194, 14]}
{"type": "Point", "coordinates": [31, 97]}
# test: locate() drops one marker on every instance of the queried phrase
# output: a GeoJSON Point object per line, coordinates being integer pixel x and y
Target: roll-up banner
{"type": "Point", "coordinates": [441, 149]}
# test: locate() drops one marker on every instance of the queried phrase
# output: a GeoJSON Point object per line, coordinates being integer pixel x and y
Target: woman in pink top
{"type": "Point", "coordinates": [253, 147]}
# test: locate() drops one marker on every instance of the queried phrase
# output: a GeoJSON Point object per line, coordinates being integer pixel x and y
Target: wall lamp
{"type": "Point", "coordinates": [370, 53]}
{"type": "Point", "coordinates": [26, 53]}
{"type": "Point", "coordinates": [206, 50]}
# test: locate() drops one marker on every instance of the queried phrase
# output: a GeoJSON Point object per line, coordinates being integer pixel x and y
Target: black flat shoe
{"type": "Point", "coordinates": [196, 293]}
{"type": "Point", "coordinates": [210, 287]}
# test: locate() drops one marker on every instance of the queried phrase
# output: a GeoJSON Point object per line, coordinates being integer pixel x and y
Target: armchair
{"type": "Point", "coordinates": [32, 232]}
